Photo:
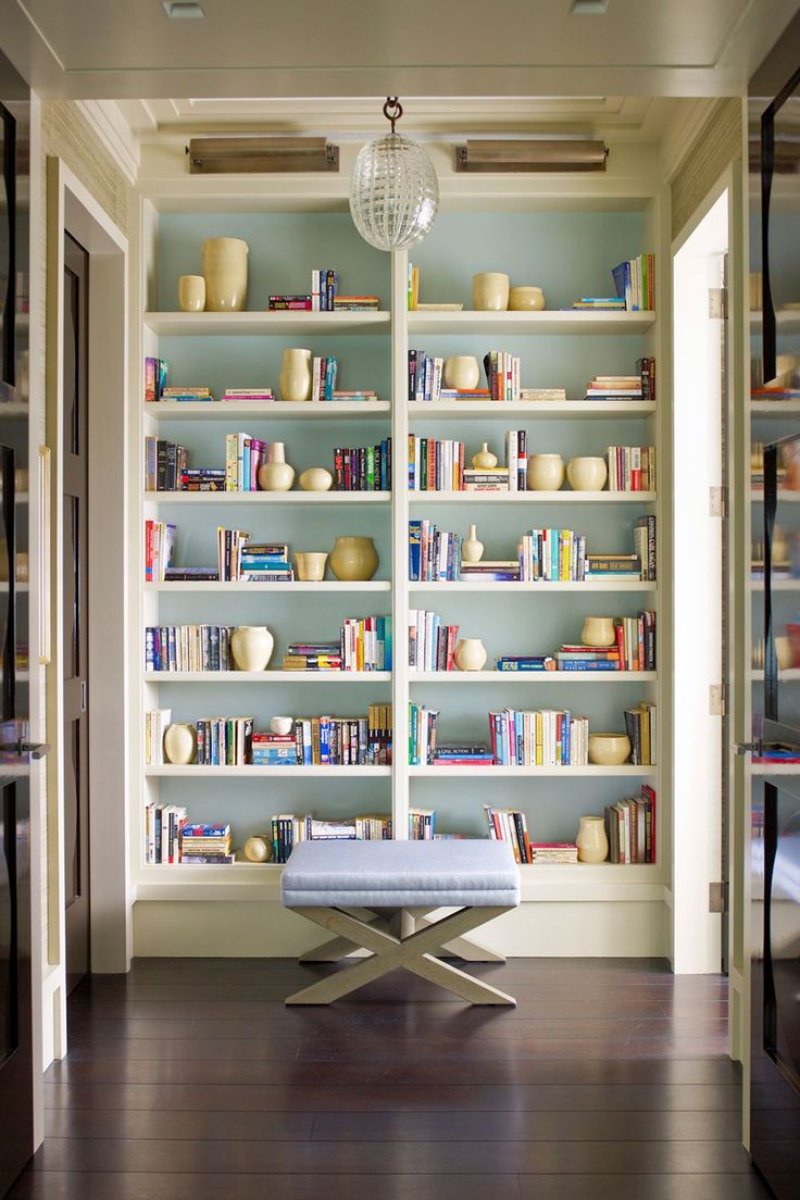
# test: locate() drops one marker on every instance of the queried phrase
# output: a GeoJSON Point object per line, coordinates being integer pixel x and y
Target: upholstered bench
{"type": "Point", "coordinates": [376, 896]}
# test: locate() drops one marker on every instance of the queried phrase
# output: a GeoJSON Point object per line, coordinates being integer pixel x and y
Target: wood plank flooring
{"type": "Point", "coordinates": [189, 1080]}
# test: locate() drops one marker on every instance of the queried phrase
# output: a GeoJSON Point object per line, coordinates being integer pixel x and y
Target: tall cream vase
{"type": "Point", "coordinates": [225, 273]}
{"type": "Point", "coordinates": [295, 377]}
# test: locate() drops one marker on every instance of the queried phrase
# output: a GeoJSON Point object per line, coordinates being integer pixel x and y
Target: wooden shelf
{"type": "Point", "coordinates": [276, 410]}
{"type": "Point", "coordinates": [213, 585]}
{"type": "Point", "coordinates": [236, 498]}
{"type": "Point", "coordinates": [532, 497]}
{"type": "Point", "coordinates": [569, 321]}
{"type": "Point", "coordinates": [510, 586]}
{"type": "Point", "coordinates": [274, 676]}
{"type": "Point", "coordinates": [168, 771]}
{"type": "Point", "coordinates": [581, 677]}
{"type": "Point", "coordinates": [528, 410]}
{"type": "Point", "coordinates": [259, 324]}
{"type": "Point", "coordinates": [591, 771]}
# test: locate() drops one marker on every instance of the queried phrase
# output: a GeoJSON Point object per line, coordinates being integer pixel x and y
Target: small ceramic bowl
{"type": "Point", "coordinates": [526, 299]}
{"type": "Point", "coordinates": [281, 724]}
{"type": "Point", "coordinates": [609, 749]}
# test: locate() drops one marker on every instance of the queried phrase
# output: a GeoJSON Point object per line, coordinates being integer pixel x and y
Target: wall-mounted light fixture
{"type": "Point", "coordinates": [531, 154]}
{"type": "Point", "coordinates": [260, 155]}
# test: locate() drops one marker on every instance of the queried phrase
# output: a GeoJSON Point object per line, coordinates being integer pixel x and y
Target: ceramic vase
{"type": "Point", "coordinates": [225, 273]}
{"type": "Point", "coordinates": [471, 548]}
{"type": "Point", "coordinates": [526, 299]}
{"type": "Point", "coordinates": [257, 849]}
{"type": "Point", "coordinates": [490, 291]}
{"type": "Point", "coordinates": [310, 565]}
{"type": "Point", "coordinates": [316, 479]}
{"type": "Point", "coordinates": [469, 654]}
{"type": "Point", "coordinates": [598, 631]}
{"type": "Point", "coordinates": [295, 377]}
{"type": "Point", "coordinates": [251, 647]}
{"type": "Point", "coordinates": [462, 372]}
{"type": "Point", "coordinates": [484, 457]}
{"type": "Point", "coordinates": [354, 559]}
{"type": "Point", "coordinates": [592, 841]}
{"type": "Point", "coordinates": [545, 472]}
{"type": "Point", "coordinates": [609, 749]}
{"type": "Point", "coordinates": [587, 474]}
{"type": "Point", "coordinates": [276, 475]}
{"type": "Point", "coordinates": [281, 725]}
{"type": "Point", "coordinates": [191, 293]}
{"type": "Point", "coordinates": [180, 744]}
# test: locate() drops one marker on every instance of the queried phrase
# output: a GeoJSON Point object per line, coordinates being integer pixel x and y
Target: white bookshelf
{"type": "Point", "coordinates": [559, 347]}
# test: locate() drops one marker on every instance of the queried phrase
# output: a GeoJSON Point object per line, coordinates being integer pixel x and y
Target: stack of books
{"type": "Point", "coordinates": [613, 566]}
{"type": "Point", "coordinates": [244, 454]}
{"type": "Point", "coordinates": [542, 394]}
{"type": "Point", "coordinates": [155, 378]}
{"type": "Point", "coordinates": [162, 833]}
{"type": "Point", "coordinates": [290, 302]}
{"type": "Point", "coordinates": [526, 662]}
{"type": "Point", "coordinates": [164, 464]}
{"type": "Point", "coordinates": [421, 822]}
{"type": "Point", "coordinates": [247, 395]}
{"type": "Point", "coordinates": [190, 574]}
{"type": "Point", "coordinates": [422, 734]}
{"type": "Point", "coordinates": [356, 303]}
{"type": "Point", "coordinates": [502, 375]}
{"type": "Point", "coordinates": [355, 394]}
{"type": "Point", "coordinates": [485, 479]}
{"type": "Point", "coordinates": [274, 750]}
{"type": "Point", "coordinates": [433, 554]}
{"type": "Point", "coordinates": [644, 541]}
{"type": "Point", "coordinates": [509, 825]}
{"type": "Point", "coordinates": [187, 393]}
{"type": "Point", "coordinates": [587, 658]}
{"type": "Point", "coordinates": [631, 468]}
{"type": "Point", "coordinates": [203, 479]}
{"type": "Point", "coordinates": [599, 304]}
{"type": "Point", "coordinates": [631, 827]}
{"type": "Point", "coordinates": [499, 570]}
{"type": "Point", "coordinates": [187, 647]}
{"type": "Point", "coordinates": [559, 853]}
{"type": "Point", "coordinates": [363, 468]}
{"type": "Point", "coordinates": [614, 387]}
{"type": "Point", "coordinates": [446, 393]}
{"type": "Point", "coordinates": [640, 725]}
{"type": "Point", "coordinates": [207, 844]}
{"type": "Point", "coordinates": [544, 738]}
{"type": "Point", "coordinates": [430, 643]}
{"type": "Point", "coordinates": [313, 656]}
{"type": "Point", "coordinates": [635, 283]}
{"type": "Point", "coordinates": [159, 547]}
{"type": "Point", "coordinates": [552, 555]}
{"type": "Point", "coordinates": [156, 722]}
{"type": "Point", "coordinates": [265, 562]}
{"type": "Point", "coordinates": [436, 465]}
{"type": "Point", "coordinates": [463, 755]}
{"type": "Point", "coordinates": [224, 741]}
{"type": "Point", "coordinates": [366, 643]}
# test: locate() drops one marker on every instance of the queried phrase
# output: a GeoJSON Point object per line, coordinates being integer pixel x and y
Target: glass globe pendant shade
{"type": "Point", "coordinates": [394, 193]}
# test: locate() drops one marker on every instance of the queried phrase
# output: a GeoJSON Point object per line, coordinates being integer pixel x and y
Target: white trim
{"type": "Point", "coordinates": [682, 134]}
{"type": "Point", "coordinates": [107, 122]}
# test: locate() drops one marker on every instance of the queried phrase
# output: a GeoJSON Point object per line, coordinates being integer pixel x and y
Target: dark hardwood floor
{"type": "Point", "coordinates": [189, 1080]}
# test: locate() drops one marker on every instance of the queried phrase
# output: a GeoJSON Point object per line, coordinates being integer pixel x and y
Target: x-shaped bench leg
{"type": "Point", "coordinates": [414, 953]}
{"type": "Point", "coordinates": [340, 947]}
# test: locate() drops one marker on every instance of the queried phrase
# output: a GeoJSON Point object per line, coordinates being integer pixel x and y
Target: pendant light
{"type": "Point", "coordinates": [394, 192]}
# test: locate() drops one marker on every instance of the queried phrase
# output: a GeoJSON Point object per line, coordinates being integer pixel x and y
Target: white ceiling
{"type": "Point", "coordinates": [116, 49]}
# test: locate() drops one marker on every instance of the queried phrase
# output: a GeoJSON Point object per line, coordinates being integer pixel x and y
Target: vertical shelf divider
{"type": "Point", "coordinates": [400, 510]}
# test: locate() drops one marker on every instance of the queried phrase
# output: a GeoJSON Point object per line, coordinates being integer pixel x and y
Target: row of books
{"type": "Point", "coordinates": [631, 828]}
{"type": "Point", "coordinates": [224, 741]}
{"type": "Point", "coordinates": [435, 464]}
{"type": "Point", "coordinates": [509, 825]}
{"type": "Point", "coordinates": [156, 723]}
{"type": "Point", "coordinates": [159, 547]}
{"type": "Point", "coordinates": [641, 386]}
{"type": "Point", "coordinates": [365, 644]}
{"type": "Point", "coordinates": [244, 454]}
{"type": "Point", "coordinates": [363, 468]}
{"type": "Point", "coordinates": [645, 545]}
{"type": "Point", "coordinates": [641, 728]}
{"type": "Point", "coordinates": [431, 644]}
{"type": "Point", "coordinates": [239, 560]}
{"type": "Point", "coordinates": [321, 298]}
{"type": "Point", "coordinates": [330, 741]}
{"type": "Point", "coordinates": [422, 723]}
{"type": "Point", "coordinates": [290, 828]}
{"type": "Point", "coordinates": [634, 281]}
{"type": "Point", "coordinates": [433, 554]}
{"type": "Point", "coordinates": [502, 375]}
{"type": "Point", "coordinates": [636, 641]}
{"type": "Point", "coordinates": [162, 830]}
{"type": "Point", "coordinates": [552, 555]}
{"type": "Point", "coordinates": [541, 738]}
{"type": "Point", "coordinates": [164, 464]}
{"type": "Point", "coordinates": [188, 648]}
{"type": "Point", "coordinates": [631, 468]}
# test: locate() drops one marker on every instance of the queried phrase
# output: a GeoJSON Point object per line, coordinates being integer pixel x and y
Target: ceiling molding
{"type": "Point", "coordinates": [114, 132]}
{"type": "Point", "coordinates": [682, 133]}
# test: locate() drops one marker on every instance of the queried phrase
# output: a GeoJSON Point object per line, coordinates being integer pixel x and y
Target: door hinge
{"type": "Point", "coordinates": [718, 501]}
{"type": "Point", "coordinates": [717, 303]}
{"type": "Point", "coordinates": [718, 897]}
{"type": "Point", "coordinates": [716, 700]}
{"type": "Point", "coordinates": [83, 695]}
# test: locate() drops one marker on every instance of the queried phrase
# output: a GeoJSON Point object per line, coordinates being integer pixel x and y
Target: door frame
{"type": "Point", "coordinates": [70, 206]}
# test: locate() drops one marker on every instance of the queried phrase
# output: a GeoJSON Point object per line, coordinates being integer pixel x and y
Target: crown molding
{"type": "Point", "coordinates": [115, 134]}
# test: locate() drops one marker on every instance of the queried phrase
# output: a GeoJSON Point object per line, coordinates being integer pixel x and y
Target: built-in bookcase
{"type": "Point", "coordinates": [566, 246]}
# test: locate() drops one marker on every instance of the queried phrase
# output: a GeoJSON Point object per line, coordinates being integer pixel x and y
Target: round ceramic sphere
{"type": "Point", "coordinates": [257, 849]}
{"type": "Point", "coordinates": [316, 479]}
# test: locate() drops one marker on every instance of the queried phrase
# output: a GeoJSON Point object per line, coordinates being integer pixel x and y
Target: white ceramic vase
{"type": "Point", "coordinates": [251, 647]}
{"type": "Point", "coordinates": [484, 457]}
{"type": "Point", "coordinates": [316, 479]}
{"type": "Point", "coordinates": [191, 293]}
{"type": "Point", "coordinates": [276, 475]}
{"type": "Point", "coordinates": [354, 559]}
{"type": "Point", "coordinates": [587, 474]}
{"type": "Point", "coordinates": [225, 273]}
{"type": "Point", "coordinates": [469, 654]}
{"type": "Point", "coordinates": [295, 377]}
{"type": "Point", "coordinates": [545, 472]}
{"type": "Point", "coordinates": [598, 631]}
{"type": "Point", "coordinates": [490, 291]}
{"type": "Point", "coordinates": [180, 744]}
{"type": "Point", "coordinates": [592, 841]}
{"type": "Point", "coordinates": [462, 372]}
{"type": "Point", "coordinates": [471, 548]}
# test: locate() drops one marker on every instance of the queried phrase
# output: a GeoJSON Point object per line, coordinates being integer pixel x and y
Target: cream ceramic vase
{"type": "Point", "coordinates": [526, 299]}
{"type": "Point", "coordinates": [462, 372]}
{"type": "Point", "coordinates": [225, 273]}
{"type": "Point", "coordinates": [609, 749]}
{"type": "Point", "coordinates": [598, 631]}
{"type": "Point", "coordinates": [592, 841]}
{"type": "Point", "coordinates": [490, 291]}
{"type": "Point", "coordinates": [251, 647]}
{"type": "Point", "coordinates": [276, 475]}
{"type": "Point", "coordinates": [587, 474]}
{"type": "Point", "coordinates": [545, 472]}
{"type": "Point", "coordinates": [180, 744]}
{"type": "Point", "coordinates": [354, 559]}
{"type": "Point", "coordinates": [316, 479]}
{"type": "Point", "coordinates": [469, 654]}
{"type": "Point", "coordinates": [310, 565]}
{"type": "Point", "coordinates": [294, 380]}
{"type": "Point", "coordinates": [484, 457]}
{"type": "Point", "coordinates": [471, 548]}
{"type": "Point", "coordinates": [191, 293]}
{"type": "Point", "coordinates": [257, 849]}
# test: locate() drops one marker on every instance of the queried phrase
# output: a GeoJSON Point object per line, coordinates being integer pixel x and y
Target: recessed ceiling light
{"type": "Point", "coordinates": [183, 10]}
{"type": "Point", "coordinates": [594, 8]}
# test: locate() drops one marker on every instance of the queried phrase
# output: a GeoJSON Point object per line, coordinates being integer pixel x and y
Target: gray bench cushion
{"type": "Point", "coordinates": [389, 874]}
